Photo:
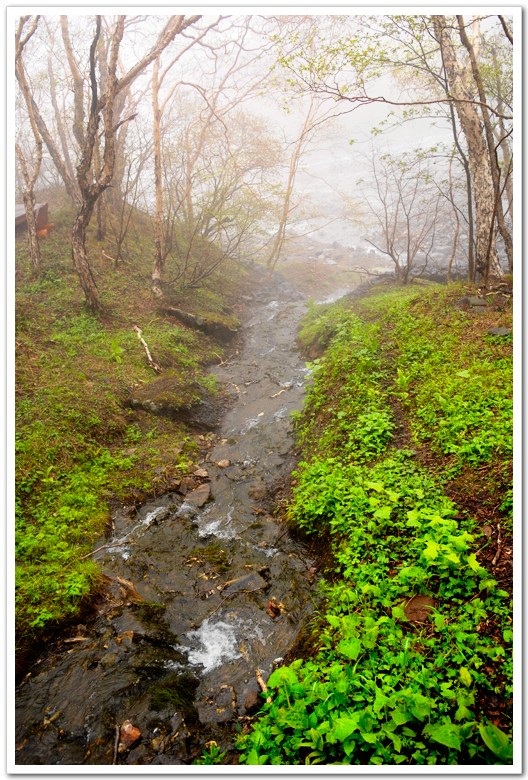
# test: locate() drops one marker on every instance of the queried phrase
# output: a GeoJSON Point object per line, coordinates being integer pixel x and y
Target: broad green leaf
{"type": "Point", "coordinates": [350, 648]}
{"type": "Point", "coordinates": [413, 518]}
{"type": "Point", "coordinates": [377, 486]}
{"type": "Point", "coordinates": [431, 551]}
{"type": "Point", "coordinates": [369, 737]}
{"type": "Point", "coordinates": [439, 621]}
{"type": "Point", "coordinates": [383, 513]}
{"type": "Point", "coordinates": [446, 734]}
{"type": "Point", "coordinates": [463, 713]}
{"type": "Point", "coordinates": [497, 741]}
{"type": "Point", "coordinates": [412, 573]}
{"type": "Point", "coordinates": [375, 590]}
{"type": "Point", "coordinates": [400, 717]}
{"type": "Point", "coordinates": [345, 726]}
{"type": "Point", "coordinates": [473, 563]}
{"type": "Point", "coordinates": [465, 676]}
{"type": "Point", "coordinates": [420, 706]}
{"type": "Point", "coordinates": [489, 583]}
{"type": "Point", "coordinates": [396, 741]}
{"type": "Point", "coordinates": [254, 758]}
{"type": "Point", "coordinates": [282, 675]}
{"type": "Point", "coordinates": [380, 701]}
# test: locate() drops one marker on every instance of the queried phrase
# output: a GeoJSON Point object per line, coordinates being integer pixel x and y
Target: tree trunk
{"type": "Point", "coordinates": [469, 196]}
{"type": "Point", "coordinates": [457, 222]}
{"type": "Point", "coordinates": [100, 207]}
{"type": "Point", "coordinates": [80, 258]}
{"type": "Point", "coordinates": [157, 265]}
{"type": "Point", "coordinates": [490, 140]}
{"type": "Point", "coordinates": [479, 162]}
{"type": "Point", "coordinates": [298, 149]}
{"type": "Point", "coordinates": [34, 246]}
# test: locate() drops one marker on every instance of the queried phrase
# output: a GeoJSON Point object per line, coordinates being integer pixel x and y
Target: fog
{"type": "Point", "coordinates": [221, 72]}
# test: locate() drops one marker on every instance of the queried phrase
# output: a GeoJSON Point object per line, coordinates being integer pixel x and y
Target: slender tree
{"type": "Point", "coordinates": [30, 169]}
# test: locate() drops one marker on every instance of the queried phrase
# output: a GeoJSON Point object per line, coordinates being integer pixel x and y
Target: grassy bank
{"type": "Point", "coordinates": [405, 472]}
{"type": "Point", "coordinates": [79, 443]}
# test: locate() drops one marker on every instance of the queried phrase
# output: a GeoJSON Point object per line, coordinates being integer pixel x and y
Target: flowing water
{"type": "Point", "coordinates": [203, 588]}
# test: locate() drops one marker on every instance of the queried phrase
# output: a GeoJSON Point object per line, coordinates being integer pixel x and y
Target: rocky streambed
{"type": "Point", "coordinates": [204, 586]}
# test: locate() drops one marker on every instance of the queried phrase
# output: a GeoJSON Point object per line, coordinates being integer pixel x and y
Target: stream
{"type": "Point", "coordinates": [204, 586]}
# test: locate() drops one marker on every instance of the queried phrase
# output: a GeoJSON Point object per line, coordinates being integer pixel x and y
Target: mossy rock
{"type": "Point", "coordinates": [169, 396]}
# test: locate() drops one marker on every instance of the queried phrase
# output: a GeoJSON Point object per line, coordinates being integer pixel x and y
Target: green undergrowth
{"type": "Point", "coordinates": [412, 646]}
{"type": "Point", "coordinates": [79, 446]}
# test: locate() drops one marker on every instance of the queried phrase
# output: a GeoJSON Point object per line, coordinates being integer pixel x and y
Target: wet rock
{"type": "Point", "coordinates": [108, 660]}
{"type": "Point", "coordinates": [251, 581]}
{"type": "Point", "coordinates": [128, 736]}
{"type": "Point", "coordinates": [257, 490]}
{"type": "Point", "coordinates": [176, 722]}
{"type": "Point", "coordinates": [218, 707]}
{"type": "Point", "coordinates": [139, 755]}
{"type": "Point", "coordinates": [470, 300]}
{"type": "Point", "coordinates": [202, 473]}
{"type": "Point", "coordinates": [252, 702]}
{"type": "Point", "coordinates": [224, 463]}
{"type": "Point", "coordinates": [418, 609]}
{"type": "Point", "coordinates": [200, 496]}
{"type": "Point", "coordinates": [158, 744]}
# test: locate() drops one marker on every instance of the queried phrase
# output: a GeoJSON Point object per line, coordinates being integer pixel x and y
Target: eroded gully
{"type": "Point", "coordinates": [203, 588]}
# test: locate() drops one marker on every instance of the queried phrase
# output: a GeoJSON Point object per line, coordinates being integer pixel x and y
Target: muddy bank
{"type": "Point", "coordinates": [203, 585]}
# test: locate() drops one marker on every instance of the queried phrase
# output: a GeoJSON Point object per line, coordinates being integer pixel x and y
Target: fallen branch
{"type": "Point", "coordinates": [499, 546]}
{"type": "Point", "coordinates": [116, 743]}
{"type": "Point", "coordinates": [280, 391]}
{"type": "Point", "coordinates": [262, 685]}
{"type": "Point", "coordinates": [103, 547]}
{"type": "Point", "coordinates": [151, 362]}
{"type": "Point", "coordinates": [77, 639]}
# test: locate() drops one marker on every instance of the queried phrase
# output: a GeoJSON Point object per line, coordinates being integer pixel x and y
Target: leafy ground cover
{"type": "Point", "coordinates": [406, 446]}
{"type": "Point", "coordinates": [79, 446]}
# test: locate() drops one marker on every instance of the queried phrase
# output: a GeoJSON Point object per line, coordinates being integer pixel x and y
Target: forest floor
{"type": "Point", "coordinates": [410, 376]}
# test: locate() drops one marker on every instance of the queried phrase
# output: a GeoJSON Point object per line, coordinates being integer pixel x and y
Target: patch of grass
{"type": "Point", "coordinates": [411, 393]}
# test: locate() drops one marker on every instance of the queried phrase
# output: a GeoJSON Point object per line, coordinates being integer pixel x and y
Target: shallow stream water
{"type": "Point", "coordinates": [203, 588]}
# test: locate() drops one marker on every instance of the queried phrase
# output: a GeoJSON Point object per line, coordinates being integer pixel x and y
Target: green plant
{"type": "Point", "coordinates": [212, 755]}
